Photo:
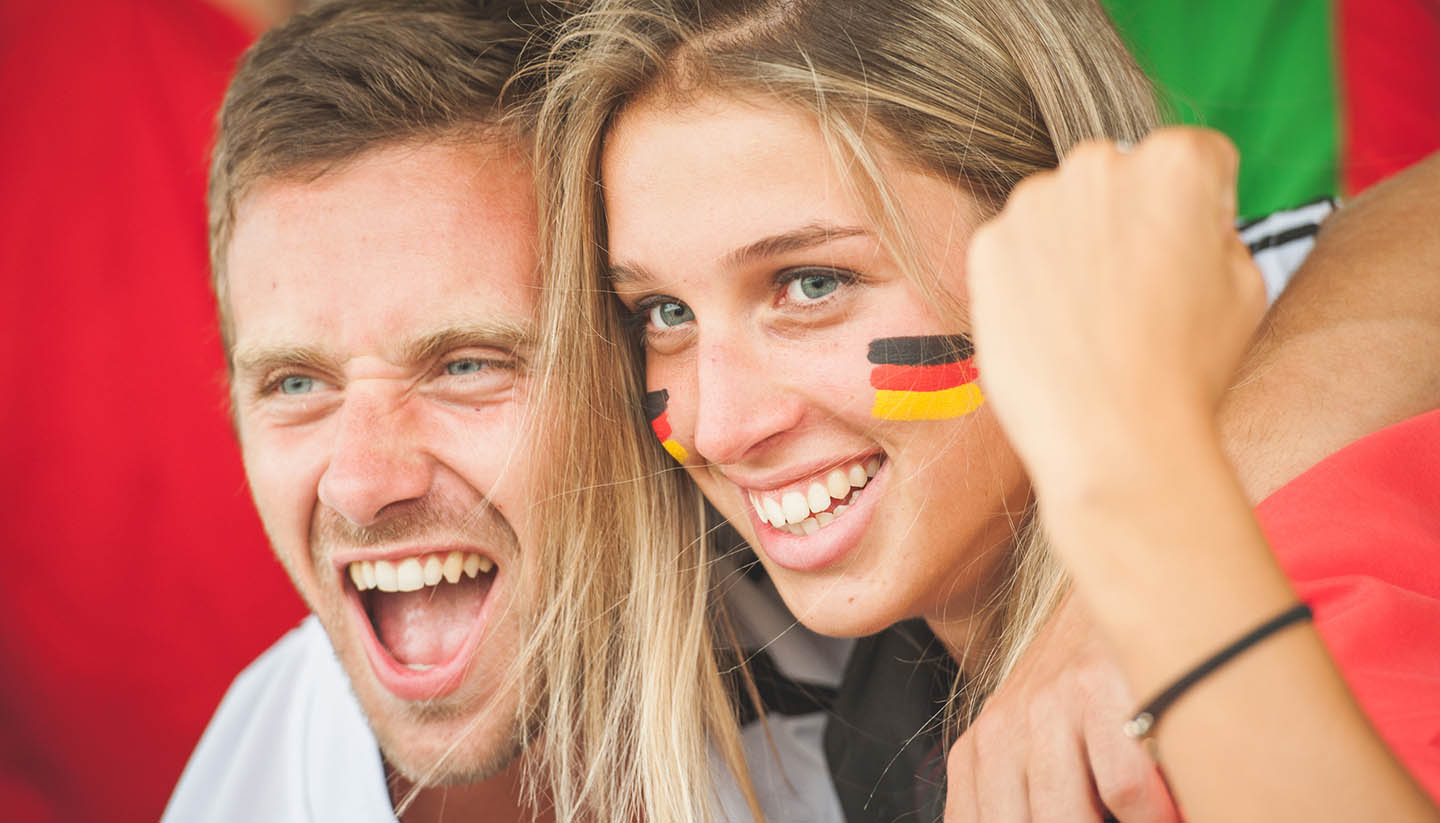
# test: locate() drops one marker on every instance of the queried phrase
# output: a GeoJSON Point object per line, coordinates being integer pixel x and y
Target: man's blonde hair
{"type": "Point", "coordinates": [978, 92]}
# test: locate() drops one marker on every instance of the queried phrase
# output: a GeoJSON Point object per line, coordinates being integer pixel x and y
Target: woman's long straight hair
{"type": "Point", "coordinates": [977, 92]}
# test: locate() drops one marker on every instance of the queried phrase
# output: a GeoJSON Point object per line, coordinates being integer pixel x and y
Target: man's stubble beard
{"type": "Point", "coordinates": [455, 764]}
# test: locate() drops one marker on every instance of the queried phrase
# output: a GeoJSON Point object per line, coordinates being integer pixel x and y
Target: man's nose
{"type": "Point", "coordinates": [742, 402]}
{"type": "Point", "coordinates": [377, 458]}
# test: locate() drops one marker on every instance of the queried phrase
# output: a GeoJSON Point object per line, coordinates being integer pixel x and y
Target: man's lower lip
{"type": "Point", "coordinates": [828, 545]}
{"type": "Point", "coordinates": [406, 683]}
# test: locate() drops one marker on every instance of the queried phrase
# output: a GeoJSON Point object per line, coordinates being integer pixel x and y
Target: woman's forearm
{"type": "Point", "coordinates": [1172, 564]}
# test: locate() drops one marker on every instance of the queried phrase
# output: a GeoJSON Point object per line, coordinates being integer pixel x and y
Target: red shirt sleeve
{"type": "Point", "coordinates": [1359, 534]}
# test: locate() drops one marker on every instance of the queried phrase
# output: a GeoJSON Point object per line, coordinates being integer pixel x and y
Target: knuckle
{"type": "Point", "coordinates": [962, 755]}
{"type": "Point", "coordinates": [992, 732]}
{"type": "Point", "coordinates": [981, 242]}
{"type": "Point", "coordinates": [1099, 681]}
{"type": "Point", "coordinates": [1090, 153]}
{"type": "Point", "coordinates": [1027, 193]}
{"type": "Point", "coordinates": [1126, 789]}
{"type": "Point", "coordinates": [1048, 709]}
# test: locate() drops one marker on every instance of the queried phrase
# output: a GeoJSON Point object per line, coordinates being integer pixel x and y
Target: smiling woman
{"type": "Point", "coordinates": [783, 198]}
{"type": "Point", "coordinates": [784, 191]}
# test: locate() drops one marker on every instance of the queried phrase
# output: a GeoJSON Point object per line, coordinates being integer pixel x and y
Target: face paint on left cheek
{"type": "Point", "coordinates": [655, 403]}
{"type": "Point", "coordinates": [924, 378]}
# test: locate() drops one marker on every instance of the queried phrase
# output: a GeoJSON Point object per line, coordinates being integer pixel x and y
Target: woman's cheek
{"type": "Point", "coordinates": [657, 403]}
{"type": "Point", "coordinates": [928, 377]}
{"type": "Point", "coordinates": [668, 399]}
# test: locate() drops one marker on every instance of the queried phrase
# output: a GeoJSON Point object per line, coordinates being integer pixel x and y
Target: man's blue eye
{"type": "Point", "coordinates": [671, 313]}
{"type": "Point", "coordinates": [812, 286]}
{"type": "Point", "coordinates": [467, 366]}
{"type": "Point", "coordinates": [296, 384]}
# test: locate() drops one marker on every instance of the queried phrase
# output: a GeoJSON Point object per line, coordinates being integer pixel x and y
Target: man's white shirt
{"type": "Point", "coordinates": [290, 742]}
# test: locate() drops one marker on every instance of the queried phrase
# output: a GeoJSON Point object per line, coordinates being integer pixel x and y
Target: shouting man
{"type": "Point", "coordinates": [373, 240]}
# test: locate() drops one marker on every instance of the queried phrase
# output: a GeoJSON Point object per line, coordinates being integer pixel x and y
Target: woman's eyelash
{"type": "Point", "coordinates": [843, 277]}
{"type": "Point", "coordinates": [638, 318]}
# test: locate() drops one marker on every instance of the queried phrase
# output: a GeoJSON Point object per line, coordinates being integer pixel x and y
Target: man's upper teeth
{"type": "Point", "coordinates": [415, 573]}
{"type": "Point", "coordinates": [805, 512]}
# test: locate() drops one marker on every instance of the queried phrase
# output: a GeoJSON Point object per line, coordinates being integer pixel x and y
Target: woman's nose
{"type": "Point", "coordinates": [741, 402]}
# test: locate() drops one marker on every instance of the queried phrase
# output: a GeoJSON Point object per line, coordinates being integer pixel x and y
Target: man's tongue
{"type": "Point", "coordinates": [426, 627]}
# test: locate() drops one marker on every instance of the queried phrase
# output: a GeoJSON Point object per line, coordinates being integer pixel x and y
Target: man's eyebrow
{"type": "Point", "coordinates": [514, 336]}
{"type": "Point", "coordinates": [265, 360]}
{"type": "Point", "coordinates": [799, 239]}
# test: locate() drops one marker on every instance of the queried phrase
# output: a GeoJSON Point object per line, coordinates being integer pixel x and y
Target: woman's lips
{"type": "Point", "coordinates": [808, 527]}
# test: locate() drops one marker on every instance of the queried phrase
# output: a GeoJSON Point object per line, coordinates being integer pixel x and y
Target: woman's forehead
{"type": "Point", "coordinates": [715, 176]}
{"type": "Point", "coordinates": [721, 167]}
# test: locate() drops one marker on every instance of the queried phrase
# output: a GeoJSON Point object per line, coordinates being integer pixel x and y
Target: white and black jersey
{"type": "Point", "coordinates": [1280, 242]}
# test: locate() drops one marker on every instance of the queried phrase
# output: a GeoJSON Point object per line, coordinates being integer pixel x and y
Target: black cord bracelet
{"type": "Point", "coordinates": [1142, 725]}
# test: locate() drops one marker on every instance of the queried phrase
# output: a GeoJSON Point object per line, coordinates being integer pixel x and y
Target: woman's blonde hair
{"type": "Point", "coordinates": [977, 92]}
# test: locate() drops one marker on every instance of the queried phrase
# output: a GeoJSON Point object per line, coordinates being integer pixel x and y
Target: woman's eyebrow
{"type": "Point", "coordinates": [631, 275]}
{"type": "Point", "coordinates": [634, 275]}
{"type": "Point", "coordinates": [804, 237]}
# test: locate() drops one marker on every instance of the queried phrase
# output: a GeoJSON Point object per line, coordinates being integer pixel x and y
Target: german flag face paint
{"type": "Point", "coordinates": [924, 378]}
{"type": "Point", "coordinates": [655, 403]}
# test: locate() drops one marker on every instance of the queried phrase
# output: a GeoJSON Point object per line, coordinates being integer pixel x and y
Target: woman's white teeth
{"type": "Point", "coordinates": [795, 506]}
{"type": "Point", "coordinates": [773, 512]}
{"type": "Point", "coordinates": [415, 573]}
{"type": "Point", "coordinates": [806, 513]}
{"type": "Point", "coordinates": [818, 497]}
{"type": "Point", "coordinates": [858, 476]}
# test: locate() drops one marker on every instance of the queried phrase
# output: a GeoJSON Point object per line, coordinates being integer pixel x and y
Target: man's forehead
{"type": "Point", "coordinates": [394, 246]}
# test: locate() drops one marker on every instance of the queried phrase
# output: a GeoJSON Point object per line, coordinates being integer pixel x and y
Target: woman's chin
{"type": "Point", "coordinates": [837, 606]}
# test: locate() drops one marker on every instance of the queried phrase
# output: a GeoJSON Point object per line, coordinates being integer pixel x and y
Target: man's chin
{"type": "Point", "coordinates": [468, 736]}
{"type": "Point", "coordinates": [467, 762]}
{"type": "Point", "coordinates": [452, 750]}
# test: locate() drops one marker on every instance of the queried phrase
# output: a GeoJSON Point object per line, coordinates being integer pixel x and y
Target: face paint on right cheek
{"type": "Point", "coordinates": [655, 403]}
{"type": "Point", "coordinates": [924, 378]}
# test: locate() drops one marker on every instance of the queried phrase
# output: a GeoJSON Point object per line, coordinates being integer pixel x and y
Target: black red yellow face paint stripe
{"type": "Point", "coordinates": [924, 378]}
{"type": "Point", "coordinates": [655, 403]}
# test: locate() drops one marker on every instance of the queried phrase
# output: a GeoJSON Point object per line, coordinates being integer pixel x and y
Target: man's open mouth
{"type": "Point", "coordinates": [425, 613]}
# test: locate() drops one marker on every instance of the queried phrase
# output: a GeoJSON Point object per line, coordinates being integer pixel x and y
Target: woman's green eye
{"type": "Point", "coordinates": [466, 366]}
{"type": "Point", "coordinates": [670, 313]}
{"type": "Point", "coordinates": [296, 384]}
{"type": "Point", "coordinates": [812, 286]}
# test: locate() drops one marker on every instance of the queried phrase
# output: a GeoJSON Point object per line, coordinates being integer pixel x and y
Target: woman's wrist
{"type": "Point", "coordinates": [1111, 464]}
{"type": "Point", "coordinates": [1167, 555]}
